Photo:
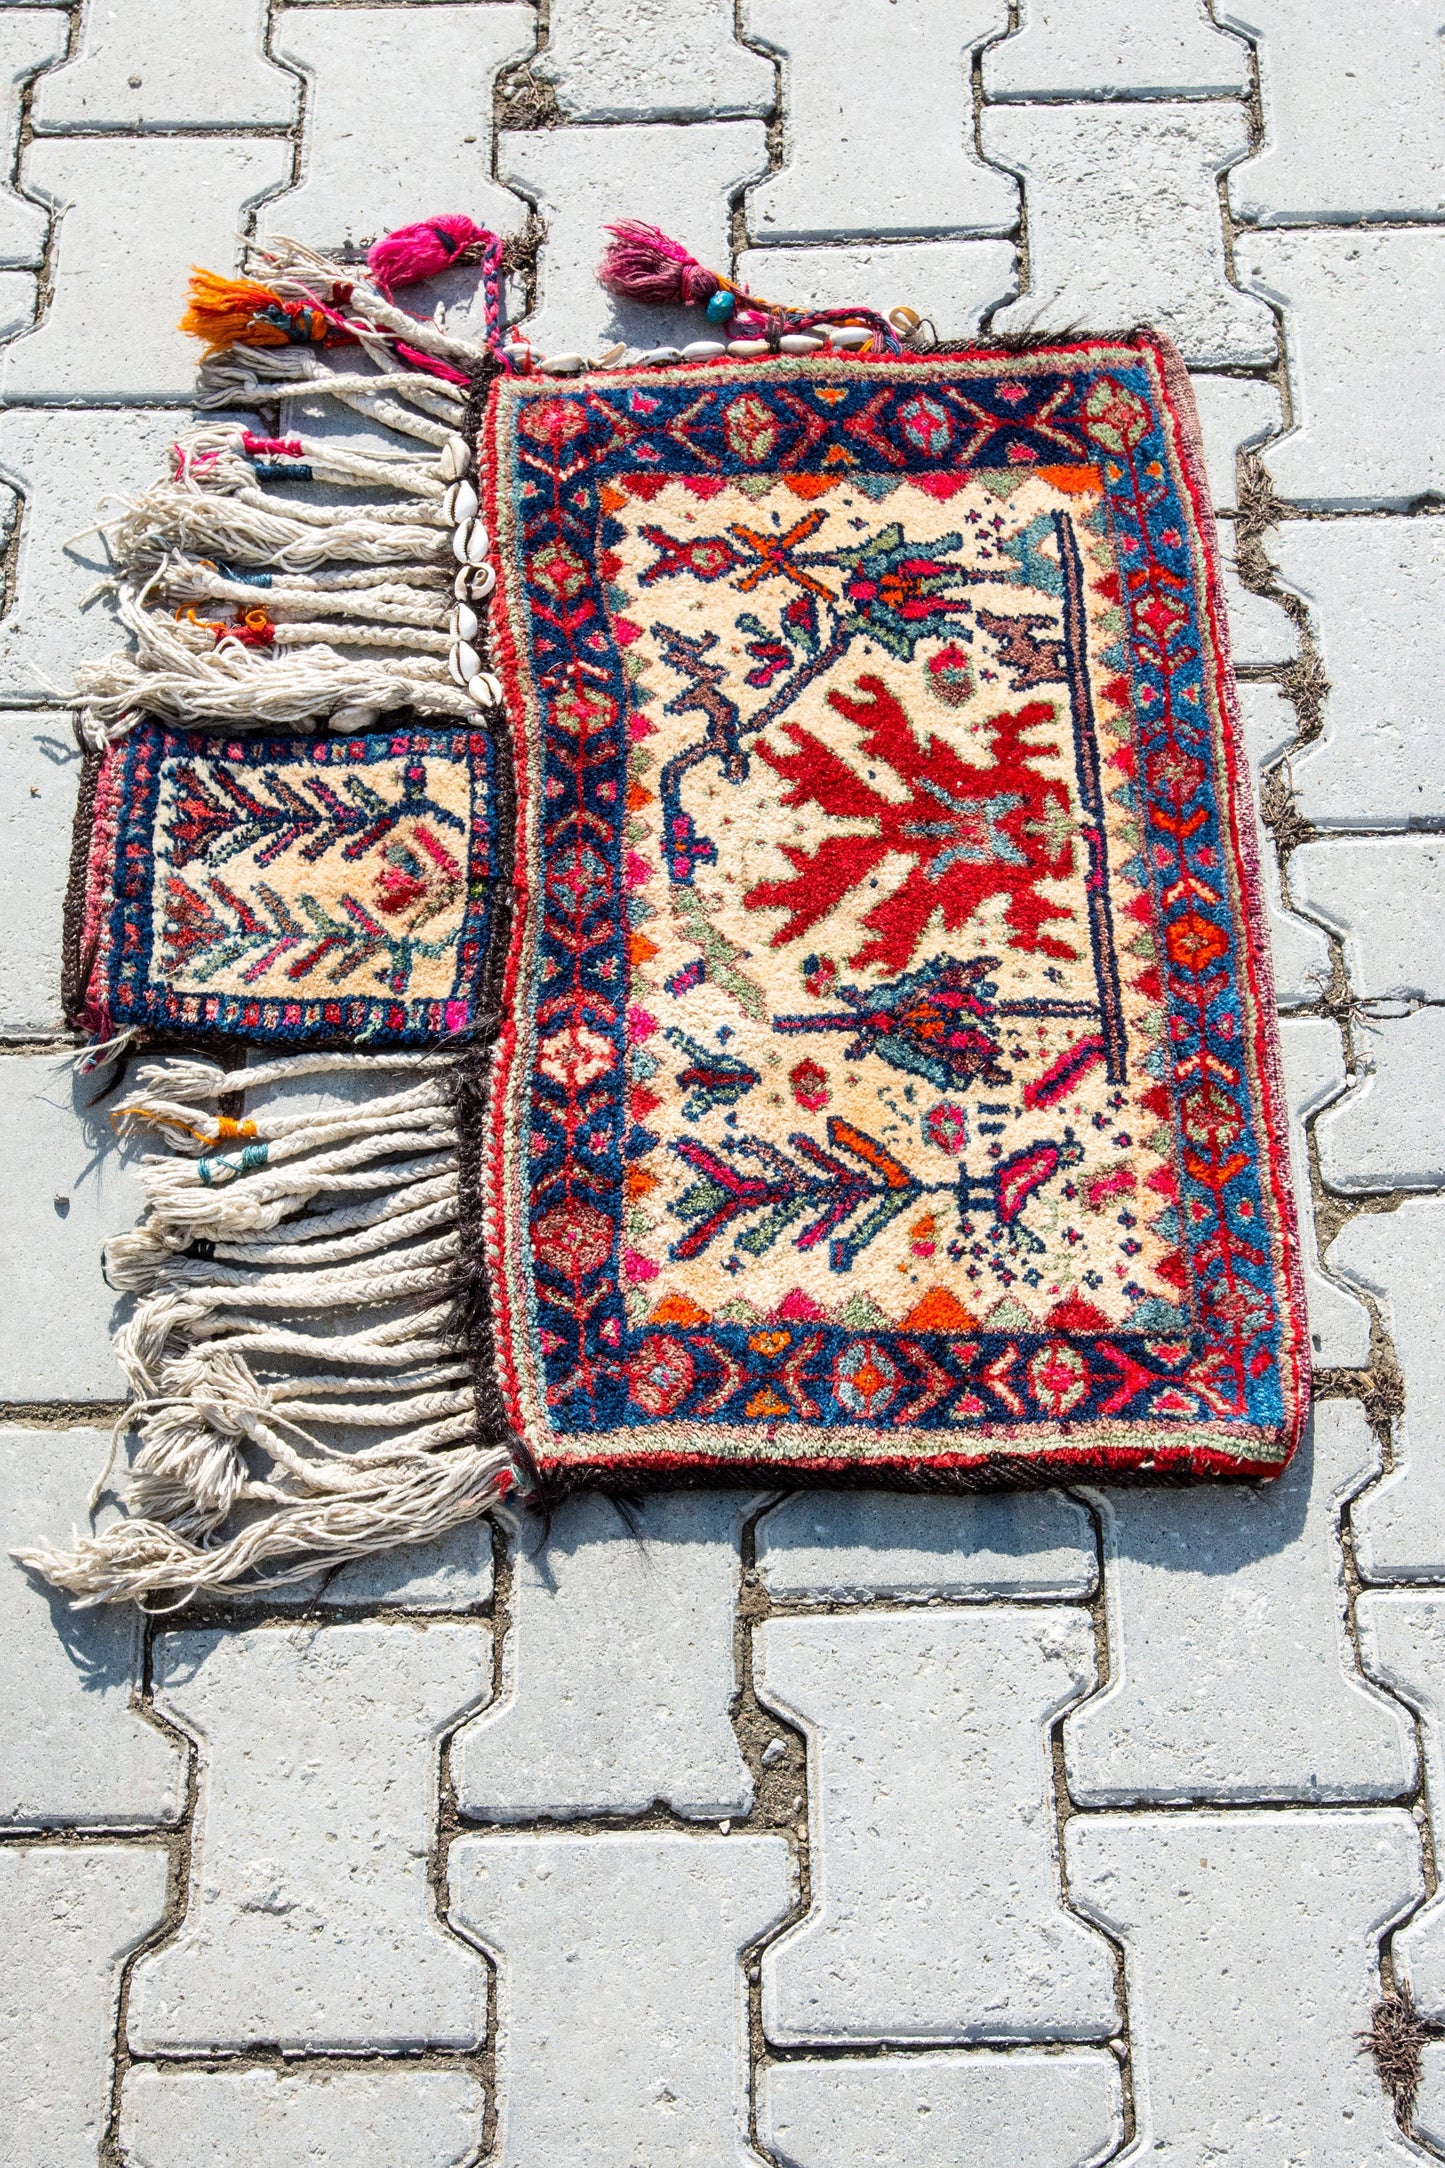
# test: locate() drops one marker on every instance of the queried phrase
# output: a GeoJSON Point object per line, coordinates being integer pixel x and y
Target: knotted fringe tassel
{"type": "Point", "coordinates": [254, 609]}
{"type": "Point", "coordinates": [642, 264]}
{"type": "Point", "coordinates": [297, 1273]}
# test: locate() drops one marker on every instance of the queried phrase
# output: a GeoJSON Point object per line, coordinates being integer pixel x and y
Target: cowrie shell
{"type": "Point", "coordinates": [799, 342]}
{"type": "Point", "coordinates": [455, 459]}
{"type": "Point", "coordinates": [485, 690]}
{"type": "Point", "coordinates": [464, 622]}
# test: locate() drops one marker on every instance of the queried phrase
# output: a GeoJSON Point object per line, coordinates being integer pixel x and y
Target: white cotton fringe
{"type": "Point", "coordinates": [295, 1275]}
{"type": "Point", "coordinates": [362, 606]}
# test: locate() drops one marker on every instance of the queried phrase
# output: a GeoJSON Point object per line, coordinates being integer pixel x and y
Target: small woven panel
{"type": "Point", "coordinates": [291, 891]}
{"type": "Point", "coordinates": [888, 1079]}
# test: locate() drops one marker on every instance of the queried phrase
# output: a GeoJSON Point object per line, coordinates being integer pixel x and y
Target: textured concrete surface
{"type": "Point", "coordinates": [1035, 1831]}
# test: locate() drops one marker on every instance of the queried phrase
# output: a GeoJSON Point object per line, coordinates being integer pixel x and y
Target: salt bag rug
{"type": "Point", "coordinates": [887, 1080]}
{"type": "Point", "coordinates": [786, 860]}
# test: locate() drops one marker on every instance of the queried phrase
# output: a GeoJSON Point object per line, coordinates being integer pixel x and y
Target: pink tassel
{"type": "Point", "coordinates": [420, 251]}
{"type": "Point", "coordinates": [641, 264]}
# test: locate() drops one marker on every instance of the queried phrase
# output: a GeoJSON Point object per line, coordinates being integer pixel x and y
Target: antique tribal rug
{"type": "Point", "coordinates": [771, 819]}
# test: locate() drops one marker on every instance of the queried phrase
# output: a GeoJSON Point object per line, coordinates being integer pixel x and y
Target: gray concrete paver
{"type": "Point", "coordinates": [1250, 1947]}
{"type": "Point", "coordinates": [79, 1753]}
{"type": "Point", "coordinates": [935, 1914]}
{"type": "Point", "coordinates": [1231, 1673]}
{"type": "Point", "coordinates": [154, 64]}
{"type": "Point", "coordinates": [397, 2117]}
{"type": "Point", "coordinates": [72, 1917]}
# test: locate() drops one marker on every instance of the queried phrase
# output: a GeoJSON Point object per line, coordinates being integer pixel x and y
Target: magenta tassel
{"type": "Point", "coordinates": [421, 251]}
{"type": "Point", "coordinates": [642, 264]}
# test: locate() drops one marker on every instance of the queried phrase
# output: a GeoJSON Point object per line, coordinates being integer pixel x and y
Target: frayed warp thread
{"type": "Point", "coordinates": [260, 1235]}
{"type": "Point", "coordinates": [403, 547]}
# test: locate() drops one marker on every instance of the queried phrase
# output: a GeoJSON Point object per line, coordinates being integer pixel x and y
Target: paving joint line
{"type": "Point", "coordinates": [178, 1841]}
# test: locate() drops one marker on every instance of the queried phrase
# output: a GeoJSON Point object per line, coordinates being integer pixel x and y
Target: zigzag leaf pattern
{"type": "Point", "coordinates": [218, 814]}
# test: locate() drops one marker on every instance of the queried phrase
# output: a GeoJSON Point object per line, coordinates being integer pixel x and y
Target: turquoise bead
{"type": "Point", "coordinates": [721, 306]}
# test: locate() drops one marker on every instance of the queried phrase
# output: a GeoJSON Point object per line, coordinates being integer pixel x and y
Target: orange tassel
{"type": "Point", "coordinates": [227, 312]}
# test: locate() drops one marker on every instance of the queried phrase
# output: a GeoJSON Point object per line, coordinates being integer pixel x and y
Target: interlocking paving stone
{"type": "Point", "coordinates": [624, 2021]}
{"type": "Point", "coordinates": [679, 178]}
{"type": "Point", "coordinates": [1389, 1131]}
{"type": "Point", "coordinates": [1270, 723]}
{"type": "Point", "coordinates": [37, 805]}
{"type": "Point", "coordinates": [966, 2109]}
{"type": "Point", "coordinates": [68, 470]}
{"type": "Point", "coordinates": [30, 39]}
{"type": "Point", "coordinates": [399, 117]}
{"type": "Point", "coordinates": [1235, 413]}
{"type": "Point", "coordinates": [936, 1912]}
{"type": "Point", "coordinates": [1402, 1641]}
{"type": "Point", "coordinates": [397, 2118]}
{"type": "Point", "coordinates": [1376, 591]}
{"type": "Point", "coordinates": [18, 295]}
{"type": "Point", "coordinates": [1231, 1674]}
{"type": "Point", "coordinates": [953, 284]}
{"type": "Point", "coordinates": [1430, 2105]}
{"type": "Point", "coordinates": [1364, 323]}
{"type": "Point", "coordinates": [877, 121]}
{"type": "Point", "coordinates": [79, 1754]}
{"type": "Point", "coordinates": [1250, 1950]}
{"type": "Point", "coordinates": [72, 1915]}
{"type": "Point", "coordinates": [850, 1546]}
{"type": "Point", "coordinates": [1301, 951]}
{"type": "Point", "coordinates": [619, 1667]}
{"type": "Point", "coordinates": [1113, 49]}
{"type": "Point", "coordinates": [1313, 1057]}
{"type": "Point", "coordinates": [1124, 225]}
{"type": "Point", "coordinates": [1385, 896]}
{"type": "Point", "coordinates": [451, 1572]}
{"type": "Point", "coordinates": [138, 211]}
{"type": "Point", "coordinates": [652, 60]}
{"type": "Point", "coordinates": [168, 63]}
{"type": "Point", "coordinates": [1354, 119]}
{"type": "Point", "coordinates": [66, 1192]}
{"type": "Point", "coordinates": [1261, 634]}
{"type": "Point", "coordinates": [1400, 1527]}
{"type": "Point", "coordinates": [310, 1922]}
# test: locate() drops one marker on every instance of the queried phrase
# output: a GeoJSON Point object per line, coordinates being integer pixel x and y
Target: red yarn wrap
{"type": "Point", "coordinates": [421, 251]}
{"type": "Point", "coordinates": [642, 264]}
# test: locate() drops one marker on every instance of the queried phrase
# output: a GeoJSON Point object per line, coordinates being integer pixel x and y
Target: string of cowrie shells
{"type": "Point", "coordinates": [475, 577]}
{"type": "Point", "coordinates": [845, 339]}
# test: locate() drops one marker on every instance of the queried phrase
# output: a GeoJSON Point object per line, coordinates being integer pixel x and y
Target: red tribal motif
{"type": "Point", "coordinates": [888, 1076]}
